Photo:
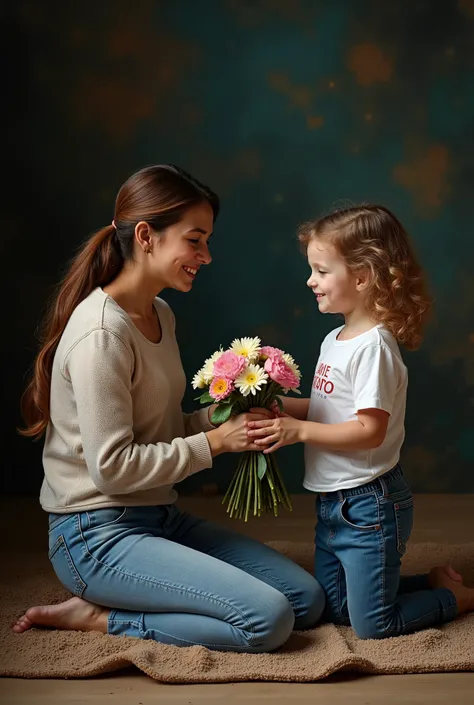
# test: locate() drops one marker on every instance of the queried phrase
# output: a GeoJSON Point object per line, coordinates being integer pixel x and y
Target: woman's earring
{"type": "Point", "coordinates": [147, 250]}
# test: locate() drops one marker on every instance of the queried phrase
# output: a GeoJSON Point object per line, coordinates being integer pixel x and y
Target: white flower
{"type": "Point", "coordinates": [250, 380]}
{"type": "Point", "coordinates": [292, 364]}
{"type": "Point", "coordinates": [207, 370]}
{"type": "Point", "coordinates": [199, 381]}
{"type": "Point", "coordinates": [248, 347]}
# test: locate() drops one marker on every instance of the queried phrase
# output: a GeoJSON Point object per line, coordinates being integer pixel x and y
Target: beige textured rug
{"type": "Point", "coordinates": [307, 656]}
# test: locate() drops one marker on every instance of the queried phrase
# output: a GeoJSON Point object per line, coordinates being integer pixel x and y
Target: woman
{"type": "Point", "coordinates": [107, 390]}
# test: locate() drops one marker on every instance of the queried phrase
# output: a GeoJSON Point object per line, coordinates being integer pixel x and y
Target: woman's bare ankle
{"type": "Point", "coordinates": [76, 614]}
{"type": "Point", "coordinates": [446, 577]}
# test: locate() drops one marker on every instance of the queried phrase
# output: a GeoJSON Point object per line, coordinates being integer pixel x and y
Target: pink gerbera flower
{"type": "Point", "coordinates": [220, 388]}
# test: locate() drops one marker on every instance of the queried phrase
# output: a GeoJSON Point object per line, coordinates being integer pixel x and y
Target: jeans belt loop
{"type": "Point", "coordinates": [383, 485]}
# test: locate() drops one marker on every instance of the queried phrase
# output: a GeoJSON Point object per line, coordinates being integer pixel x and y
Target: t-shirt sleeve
{"type": "Point", "coordinates": [375, 378]}
{"type": "Point", "coordinates": [100, 369]}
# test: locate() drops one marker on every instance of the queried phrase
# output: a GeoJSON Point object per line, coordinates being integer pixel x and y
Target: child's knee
{"type": "Point", "coordinates": [369, 629]}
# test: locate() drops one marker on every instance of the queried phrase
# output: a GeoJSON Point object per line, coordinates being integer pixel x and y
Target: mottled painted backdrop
{"type": "Point", "coordinates": [285, 107]}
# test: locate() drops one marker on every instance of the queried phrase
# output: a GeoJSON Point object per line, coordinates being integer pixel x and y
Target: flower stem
{"type": "Point", "coordinates": [246, 489]}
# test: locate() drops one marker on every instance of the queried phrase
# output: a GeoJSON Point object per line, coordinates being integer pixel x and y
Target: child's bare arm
{"type": "Point", "coordinates": [367, 432]}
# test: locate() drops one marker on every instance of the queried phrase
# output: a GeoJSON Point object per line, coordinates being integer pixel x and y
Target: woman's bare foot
{"type": "Point", "coordinates": [74, 614]}
{"type": "Point", "coordinates": [445, 576]}
{"type": "Point", "coordinates": [436, 574]}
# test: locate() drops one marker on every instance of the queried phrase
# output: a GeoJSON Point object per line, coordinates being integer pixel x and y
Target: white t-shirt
{"type": "Point", "coordinates": [366, 372]}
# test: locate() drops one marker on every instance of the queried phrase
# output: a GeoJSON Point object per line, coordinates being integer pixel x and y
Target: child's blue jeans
{"type": "Point", "coordinates": [361, 535]}
{"type": "Point", "coordinates": [171, 577]}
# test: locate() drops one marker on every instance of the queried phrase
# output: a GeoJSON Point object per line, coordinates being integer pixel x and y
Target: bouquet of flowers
{"type": "Point", "coordinates": [248, 375]}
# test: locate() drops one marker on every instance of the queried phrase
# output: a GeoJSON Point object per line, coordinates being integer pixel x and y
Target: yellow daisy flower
{"type": "Point", "coordinates": [250, 380]}
{"type": "Point", "coordinates": [248, 347]}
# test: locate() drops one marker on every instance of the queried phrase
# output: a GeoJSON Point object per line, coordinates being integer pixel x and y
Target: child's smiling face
{"type": "Point", "coordinates": [335, 287]}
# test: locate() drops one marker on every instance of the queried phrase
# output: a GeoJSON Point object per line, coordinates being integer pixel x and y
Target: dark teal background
{"type": "Point", "coordinates": [286, 108]}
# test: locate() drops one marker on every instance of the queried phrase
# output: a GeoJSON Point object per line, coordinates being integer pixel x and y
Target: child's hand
{"type": "Point", "coordinates": [281, 431]}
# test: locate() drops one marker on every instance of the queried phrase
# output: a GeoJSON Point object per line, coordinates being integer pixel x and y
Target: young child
{"type": "Point", "coordinates": [362, 266]}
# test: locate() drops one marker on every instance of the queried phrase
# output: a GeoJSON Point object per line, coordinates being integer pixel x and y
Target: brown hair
{"type": "Point", "coordinates": [372, 237]}
{"type": "Point", "coordinates": [159, 195]}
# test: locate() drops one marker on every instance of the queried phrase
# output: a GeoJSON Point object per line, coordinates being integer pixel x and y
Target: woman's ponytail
{"type": "Point", "coordinates": [96, 264]}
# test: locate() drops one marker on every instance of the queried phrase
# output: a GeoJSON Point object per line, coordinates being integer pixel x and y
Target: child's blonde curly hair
{"type": "Point", "coordinates": [371, 237]}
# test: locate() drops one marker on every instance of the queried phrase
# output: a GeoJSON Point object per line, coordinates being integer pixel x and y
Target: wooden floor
{"type": "Point", "coordinates": [438, 518]}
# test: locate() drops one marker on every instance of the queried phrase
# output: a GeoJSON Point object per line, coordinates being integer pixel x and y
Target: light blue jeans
{"type": "Point", "coordinates": [361, 536]}
{"type": "Point", "coordinates": [177, 579]}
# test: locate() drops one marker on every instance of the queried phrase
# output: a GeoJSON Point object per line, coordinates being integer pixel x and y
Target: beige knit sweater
{"type": "Point", "coordinates": [117, 434]}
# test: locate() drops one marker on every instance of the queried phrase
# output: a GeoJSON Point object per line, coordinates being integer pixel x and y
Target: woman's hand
{"type": "Point", "coordinates": [281, 431]}
{"type": "Point", "coordinates": [232, 436]}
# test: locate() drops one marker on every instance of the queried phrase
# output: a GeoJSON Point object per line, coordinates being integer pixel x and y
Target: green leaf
{"type": "Point", "coordinates": [221, 414]}
{"type": "Point", "coordinates": [205, 398]}
{"type": "Point", "coordinates": [261, 465]}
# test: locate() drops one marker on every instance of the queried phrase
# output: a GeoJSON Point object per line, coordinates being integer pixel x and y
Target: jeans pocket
{"type": "Point", "coordinates": [100, 518]}
{"type": "Point", "coordinates": [361, 512]}
{"type": "Point", "coordinates": [64, 567]}
{"type": "Point", "coordinates": [404, 522]}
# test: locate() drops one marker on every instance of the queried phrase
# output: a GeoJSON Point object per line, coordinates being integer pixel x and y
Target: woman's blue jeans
{"type": "Point", "coordinates": [177, 579]}
{"type": "Point", "coordinates": [361, 536]}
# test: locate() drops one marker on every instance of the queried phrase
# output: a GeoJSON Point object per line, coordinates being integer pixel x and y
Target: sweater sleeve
{"type": "Point", "coordinates": [197, 421]}
{"type": "Point", "coordinates": [100, 368]}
